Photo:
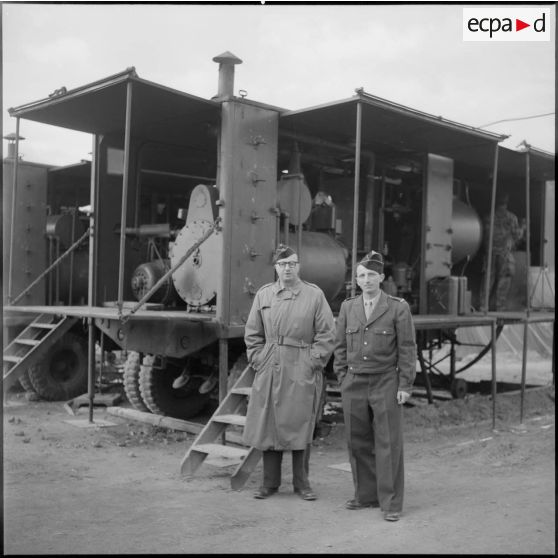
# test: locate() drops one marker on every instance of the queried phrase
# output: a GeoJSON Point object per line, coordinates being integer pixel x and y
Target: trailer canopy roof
{"type": "Point", "coordinates": [166, 115]}
{"type": "Point", "coordinates": [158, 113]}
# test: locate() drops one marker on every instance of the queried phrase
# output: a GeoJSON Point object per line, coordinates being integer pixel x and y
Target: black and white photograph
{"type": "Point", "coordinates": [278, 278]}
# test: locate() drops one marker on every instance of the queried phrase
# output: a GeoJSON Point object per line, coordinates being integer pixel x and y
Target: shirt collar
{"type": "Point", "coordinates": [373, 301]}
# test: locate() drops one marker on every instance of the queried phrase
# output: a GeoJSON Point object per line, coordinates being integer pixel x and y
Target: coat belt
{"type": "Point", "coordinates": [289, 341]}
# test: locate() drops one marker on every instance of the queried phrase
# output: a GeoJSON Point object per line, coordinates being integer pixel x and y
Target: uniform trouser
{"type": "Point", "coordinates": [374, 430]}
{"type": "Point", "coordinates": [501, 275]}
{"type": "Point", "coordinates": [272, 468]}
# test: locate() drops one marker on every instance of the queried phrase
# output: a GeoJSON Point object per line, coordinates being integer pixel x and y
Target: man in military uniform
{"type": "Point", "coordinates": [289, 338]}
{"type": "Point", "coordinates": [507, 232]}
{"type": "Point", "coordinates": [375, 364]}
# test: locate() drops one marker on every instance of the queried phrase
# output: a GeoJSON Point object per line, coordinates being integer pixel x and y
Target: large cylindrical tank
{"type": "Point", "coordinates": [467, 231]}
{"type": "Point", "coordinates": [75, 278]}
{"type": "Point", "coordinates": [323, 262]}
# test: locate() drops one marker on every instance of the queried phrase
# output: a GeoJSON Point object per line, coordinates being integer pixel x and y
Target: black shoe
{"type": "Point", "coordinates": [305, 493]}
{"type": "Point", "coordinates": [264, 492]}
{"type": "Point", "coordinates": [355, 504]}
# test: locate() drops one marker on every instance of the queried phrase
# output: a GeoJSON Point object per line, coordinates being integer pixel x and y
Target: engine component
{"type": "Point", "coordinates": [196, 280]}
{"type": "Point", "coordinates": [146, 275]}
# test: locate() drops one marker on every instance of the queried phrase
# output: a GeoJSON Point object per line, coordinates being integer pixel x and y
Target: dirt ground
{"type": "Point", "coordinates": [117, 489]}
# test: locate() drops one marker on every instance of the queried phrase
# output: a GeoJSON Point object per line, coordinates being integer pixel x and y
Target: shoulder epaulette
{"type": "Point", "coordinates": [311, 284]}
{"type": "Point", "coordinates": [266, 285]}
{"type": "Point", "coordinates": [351, 297]}
{"type": "Point", "coordinates": [397, 298]}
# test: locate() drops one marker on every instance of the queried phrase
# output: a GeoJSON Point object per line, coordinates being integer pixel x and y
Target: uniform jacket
{"type": "Point", "coordinates": [383, 343]}
{"type": "Point", "coordinates": [506, 232]}
{"type": "Point", "coordinates": [289, 338]}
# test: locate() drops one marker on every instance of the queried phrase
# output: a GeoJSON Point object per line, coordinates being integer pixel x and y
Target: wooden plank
{"type": "Point", "coordinates": [167, 422]}
{"type": "Point", "coordinates": [12, 358]}
{"type": "Point", "coordinates": [156, 420]}
{"type": "Point", "coordinates": [245, 469]}
{"type": "Point", "coordinates": [238, 420]}
{"type": "Point", "coordinates": [242, 390]}
{"type": "Point", "coordinates": [220, 450]}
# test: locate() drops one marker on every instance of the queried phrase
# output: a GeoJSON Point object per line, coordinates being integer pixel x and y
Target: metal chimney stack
{"type": "Point", "coordinates": [226, 61]}
{"type": "Point", "coordinates": [12, 145]}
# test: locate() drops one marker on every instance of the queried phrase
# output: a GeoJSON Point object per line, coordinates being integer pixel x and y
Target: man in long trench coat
{"type": "Point", "coordinates": [375, 364]}
{"type": "Point", "coordinates": [289, 338]}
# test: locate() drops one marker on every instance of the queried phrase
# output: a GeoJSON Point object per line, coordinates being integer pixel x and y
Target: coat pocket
{"type": "Point", "coordinates": [384, 339]}
{"type": "Point", "coordinates": [351, 333]}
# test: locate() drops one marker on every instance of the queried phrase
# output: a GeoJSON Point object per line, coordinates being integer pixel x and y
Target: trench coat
{"type": "Point", "coordinates": [289, 338]}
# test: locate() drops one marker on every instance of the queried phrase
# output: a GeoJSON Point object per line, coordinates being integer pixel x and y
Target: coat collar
{"type": "Point", "coordinates": [295, 289]}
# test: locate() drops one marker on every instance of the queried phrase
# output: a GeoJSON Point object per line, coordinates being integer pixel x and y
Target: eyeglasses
{"type": "Point", "coordinates": [286, 264]}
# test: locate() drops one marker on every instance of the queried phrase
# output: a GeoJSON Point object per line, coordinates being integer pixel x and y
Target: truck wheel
{"type": "Point", "coordinates": [459, 388]}
{"type": "Point", "coordinates": [62, 373]}
{"type": "Point", "coordinates": [131, 381]}
{"type": "Point", "coordinates": [26, 382]}
{"type": "Point", "coordinates": [162, 399]}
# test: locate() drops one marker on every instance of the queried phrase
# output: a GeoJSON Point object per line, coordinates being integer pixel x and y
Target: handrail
{"type": "Point", "coordinates": [125, 317]}
{"type": "Point", "coordinates": [51, 267]}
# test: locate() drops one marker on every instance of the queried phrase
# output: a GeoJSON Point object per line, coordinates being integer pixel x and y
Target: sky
{"type": "Point", "coordinates": [294, 56]}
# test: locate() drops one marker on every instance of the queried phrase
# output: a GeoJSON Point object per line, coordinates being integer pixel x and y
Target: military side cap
{"type": "Point", "coordinates": [373, 261]}
{"type": "Point", "coordinates": [282, 252]}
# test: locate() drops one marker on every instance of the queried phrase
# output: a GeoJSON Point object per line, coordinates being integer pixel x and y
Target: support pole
{"type": "Point", "coordinates": [493, 354]}
{"type": "Point", "coordinates": [12, 222]}
{"type": "Point", "coordinates": [91, 367]}
{"type": "Point", "coordinates": [125, 181]}
{"type": "Point", "coordinates": [523, 369]}
{"type": "Point", "coordinates": [223, 374]}
{"type": "Point", "coordinates": [356, 195]}
{"type": "Point", "coordinates": [488, 274]}
{"type": "Point", "coordinates": [91, 279]}
{"type": "Point", "coordinates": [528, 301]}
{"type": "Point", "coordinates": [528, 226]}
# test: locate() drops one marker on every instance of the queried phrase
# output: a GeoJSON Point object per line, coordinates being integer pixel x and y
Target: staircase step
{"type": "Point", "coordinates": [219, 450]}
{"type": "Point", "coordinates": [41, 325]}
{"type": "Point", "coordinates": [242, 390]}
{"type": "Point", "coordinates": [238, 420]}
{"type": "Point", "coordinates": [30, 342]}
{"type": "Point", "coordinates": [12, 358]}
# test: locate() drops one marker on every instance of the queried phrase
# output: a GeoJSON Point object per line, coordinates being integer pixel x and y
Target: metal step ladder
{"type": "Point", "coordinates": [31, 345]}
{"type": "Point", "coordinates": [231, 411]}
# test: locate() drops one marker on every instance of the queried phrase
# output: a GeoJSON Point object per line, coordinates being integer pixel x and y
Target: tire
{"type": "Point", "coordinates": [131, 381]}
{"type": "Point", "coordinates": [62, 373]}
{"type": "Point", "coordinates": [459, 388]}
{"type": "Point", "coordinates": [162, 399]}
{"type": "Point", "coordinates": [26, 382]}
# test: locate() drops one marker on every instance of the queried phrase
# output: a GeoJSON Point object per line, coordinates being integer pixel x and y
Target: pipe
{"type": "Point", "coordinates": [356, 196]}
{"type": "Point", "coordinates": [125, 180]}
{"type": "Point", "coordinates": [51, 267]}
